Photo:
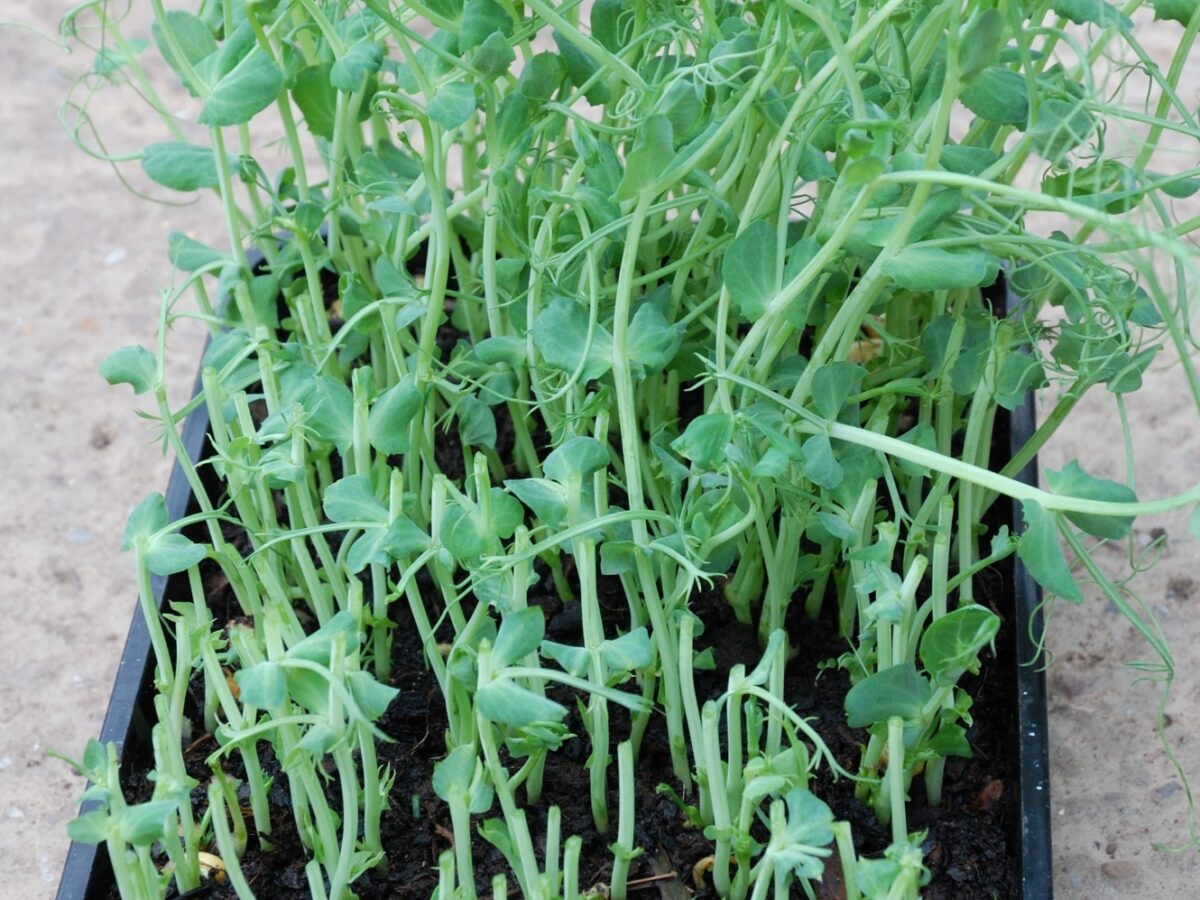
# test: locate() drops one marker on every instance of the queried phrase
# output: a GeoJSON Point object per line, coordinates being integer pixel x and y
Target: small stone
{"type": "Point", "coordinates": [100, 438]}
{"type": "Point", "coordinates": [1119, 870]}
{"type": "Point", "coordinates": [1111, 848]}
{"type": "Point", "coordinates": [1162, 792]}
{"type": "Point", "coordinates": [1181, 588]}
{"type": "Point", "coordinates": [1069, 686]}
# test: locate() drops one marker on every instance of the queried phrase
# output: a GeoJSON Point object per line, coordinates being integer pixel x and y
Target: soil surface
{"type": "Point", "coordinates": [84, 261]}
{"type": "Point", "coordinates": [967, 847]}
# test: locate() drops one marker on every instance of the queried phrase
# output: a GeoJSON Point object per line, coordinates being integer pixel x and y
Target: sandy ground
{"type": "Point", "coordinates": [83, 263]}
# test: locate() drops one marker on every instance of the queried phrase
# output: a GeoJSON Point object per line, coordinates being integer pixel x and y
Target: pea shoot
{"type": "Point", "coordinates": [539, 313]}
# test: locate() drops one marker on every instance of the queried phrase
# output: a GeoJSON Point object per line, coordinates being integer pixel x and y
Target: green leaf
{"type": "Point", "coordinates": [318, 646]}
{"type": "Point", "coordinates": [163, 553]}
{"type": "Point", "coordinates": [939, 207]}
{"type": "Point", "coordinates": [90, 828]}
{"type": "Point", "coordinates": [808, 829]}
{"type": "Point", "coordinates": [494, 56]}
{"type": "Point", "coordinates": [391, 415]}
{"type": "Point", "coordinates": [330, 407]}
{"type": "Point", "coordinates": [166, 554]}
{"type": "Point", "coordinates": [454, 774]}
{"type": "Point", "coordinates": [618, 557]}
{"type": "Point", "coordinates": [144, 823]}
{"type": "Point", "coordinates": [481, 19]}
{"type": "Point", "coordinates": [507, 703]}
{"type": "Point", "coordinates": [560, 334]}
{"type": "Point", "coordinates": [350, 72]}
{"type": "Point", "coordinates": [750, 268]}
{"type": "Point", "coordinates": [981, 43]}
{"type": "Point", "coordinates": [922, 269]}
{"type": "Point", "coordinates": [967, 160]}
{"type": "Point", "coordinates": [820, 465]}
{"type": "Point", "coordinates": [351, 499]}
{"type": "Point", "coordinates": [547, 499]}
{"type": "Point", "coordinates": [606, 22]}
{"type": "Point", "coordinates": [576, 660]}
{"type": "Point", "coordinates": [507, 514]}
{"type": "Point", "coordinates": [1095, 12]}
{"type": "Point", "coordinates": [839, 528]}
{"type": "Point", "coordinates": [263, 685]}
{"type": "Point", "coordinates": [998, 95]}
{"type": "Point", "coordinates": [541, 77]}
{"type": "Point", "coordinates": [460, 534]}
{"type": "Point", "coordinates": [405, 539]}
{"type": "Point", "coordinates": [368, 549]}
{"type": "Point", "coordinates": [629, 652]}
{"type": "Point", "coordinates": [188, 255]}
{"type": "Point", "coordinates": [898, 691]}
{"type": "Point", "coordinates": [705, 439]}
{"type": "Point", "coordinates": [951, 645]}
{"type": "Point", "coordinates": [317, 741]}
{"type": "Point", "coordinates": [1179, 10]}
{"type": "Point", "coordinates": [512, 122]}
{"type": "Point", "coordinates": [247, 90]}
{"type": "Point", "coordinates": [651, 156]}
{"type": "Point", "coordinates": [372, 697]}
{"type": "Point", "coordinates": [317, 99]}
{"type": "Point", "coordinates": [452, 105]}
{"type": "Point", "coordinates": [1072, 481]}
{"type": "Point", "coordinates": [134, 365]}
{"type": "Point", "coordinates": [194, 39]}
{"type": "Point", "coordinates": [653, 341]}
{"type": "Point", "coordinates": [519, 635]}
{"type": "Point", "coordinates": [182, 167]}
{"type": "Point", "coordinates": [1042, 554]}
{"type": "Point", "coordinates": [832, 386]}
{"type": "Point", "coordinates": [147, 518]}
{"type": "Point", "coordinates": [506, 349]}
{"type": "Point", "coordinates": [578, 456]}
{"type": "Point", "coordinates": [95, 760]}
{"type": "Point", "coordinates": [1020, 373]}
{"type": "Point", "coordinates": [580, 69]}
{"type": "Point", "coordinates": [1060, 126]}
{"type": "Point", "coordinates": [476, 424]}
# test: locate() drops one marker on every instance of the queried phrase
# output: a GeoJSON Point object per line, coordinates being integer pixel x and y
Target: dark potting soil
{"type": "Point", "coordinates": [966, 847]}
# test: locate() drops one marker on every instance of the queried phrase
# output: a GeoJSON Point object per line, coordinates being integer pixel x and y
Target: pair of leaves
{"type": "Point", "coordinates": [949, 647]}
{"type": "Point", "coordinates": [561, 335]}
{"type": "Point", "coordinates": [752, 275]}
{"type": "Point", "coordinates": [620, 655]}
{"type": "Point", "coordinates": [461, 775]}
{"type": "Point", "coordinates": [269, 684]}
{"type": "Point", "coordinates": [351, 501]}
{"type": "Point", "coordinates": [501, 699]}
{"type": "Point", "coordinates": [1039, 548]}
{"type": "Point", "coordinates": [467, 537]}
{"type": "Point", "coordinates": [140, 824]}
{"type": "Point", "coordinates": [799, 846]}
{"type": "Point", "coordinates": [164, 552]}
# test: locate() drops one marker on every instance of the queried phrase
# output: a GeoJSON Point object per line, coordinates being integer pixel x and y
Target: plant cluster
{"type": "Point", "coordinates": [643, 298]}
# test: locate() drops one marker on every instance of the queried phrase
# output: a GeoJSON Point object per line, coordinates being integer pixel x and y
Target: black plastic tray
{"type": "Point", "coordinates": [87, 874]}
